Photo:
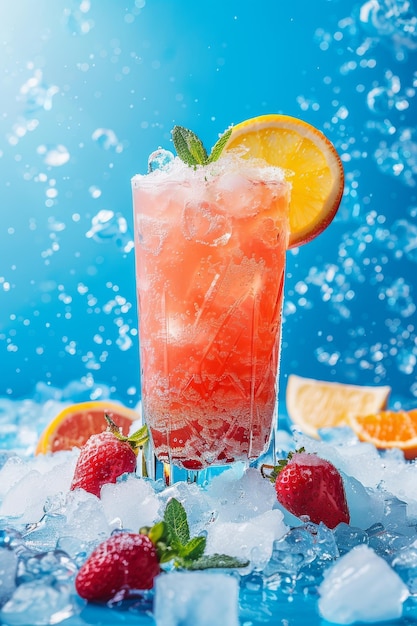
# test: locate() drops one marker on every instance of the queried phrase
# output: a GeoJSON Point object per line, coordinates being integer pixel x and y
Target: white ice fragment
{"type": "Point", "coordinates": [200, 509]}
{"type": "Point", "coordinates": [44, 604]}
{"type": "Point", "coordinates": [85, 518]}
{"type": "Point", "coordinates": [400, 480]}
{"type": "Point", "coordinates": [354, 589]}
{"type": "Point", "coordinates": [366, 506]}
{"type": "Point", "coordinates": [132, 500]}
{"type": "Point", "coordinates": [196, 599]}
{"type": "Point", "coordinates": [37, 480]}
{"type": "Point", "coordinates": [241, 499]}
{"type": "Point", "coordinates": [239, 539]}
{"type": "Point", "coordinates": [55, 156]}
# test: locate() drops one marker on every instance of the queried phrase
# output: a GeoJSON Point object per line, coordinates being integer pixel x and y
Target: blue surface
{"type": "Point", "coordinates": [133, 70]}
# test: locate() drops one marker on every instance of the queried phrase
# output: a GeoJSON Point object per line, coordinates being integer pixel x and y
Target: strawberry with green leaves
{"type": "Point", "coordinates": [128, 562]}
{"type": "Point", "coordinates": [122, 563]}
{"type": "Point", "coordinates": [309, 485]}
{"type": "Point", "coordinates": [106, 456]}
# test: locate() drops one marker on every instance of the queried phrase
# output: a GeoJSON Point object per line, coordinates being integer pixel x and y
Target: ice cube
{"type": "Point", "coordinates": [117, 502]}
{"type": "Point", "coordinates": [160, 160]}
{"type": "Point", "coordinates": [355, 589]}
{"type": "Point", "coordinates": [85, 518]}
{"type": "Point", "coordinates": [240, 499]}
{"type": "Point", "coordinates": [366, 506]}
{"type": "Point", "coordinates": [201, 510]}
{"type": "Point", "coordinates": [240, 538]}
{"type": "Point", "coordinates": [405, 564]}
{"type": "Point", "coordinates": [36, 480]}
{"type": "Point", "coordinates": [196, 599]}
{"type": "Point", "coordinates": [348, 536]}
{"type": "Point", "coordinates": [44, 603]}
{"type": "Point", "coordinates": [400, 480]}
{"type": "Point", "coordinates": [206, 223]}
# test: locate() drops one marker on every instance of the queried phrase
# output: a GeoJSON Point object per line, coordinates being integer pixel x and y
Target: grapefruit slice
{"type": "Point", "coordinates": [77, 422]}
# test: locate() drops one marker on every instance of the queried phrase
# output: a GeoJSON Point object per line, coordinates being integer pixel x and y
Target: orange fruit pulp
{"type": "Point", "coordinates": [388, 429]}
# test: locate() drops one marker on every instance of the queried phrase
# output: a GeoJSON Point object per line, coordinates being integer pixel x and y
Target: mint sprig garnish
{"type": "Point", "coordinates": [174, 544]}
{"type": "Point", "coordinates": [191, 150]}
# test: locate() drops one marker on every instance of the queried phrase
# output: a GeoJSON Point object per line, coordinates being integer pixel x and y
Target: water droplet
{"type": "Point", "coordinates": [109, 226]}
{"type": "Point", "coordinates": [405, 235]}
{"type": "Point", "coordinates": [36, 94]}
{"type": "Point", "coordinates": [107, 139]}
{"type": "Point", "coordinates": [380, 100]}
{"type": "Point", "coordinates": [94, 191]}
{"type": "Point", "coordinates": [55, 156]}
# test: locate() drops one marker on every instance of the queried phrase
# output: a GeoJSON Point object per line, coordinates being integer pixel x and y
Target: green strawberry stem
{"type": "Point", "coordinates": [271, 471]}
{"type": "Point", "coordinates": [137, 440]}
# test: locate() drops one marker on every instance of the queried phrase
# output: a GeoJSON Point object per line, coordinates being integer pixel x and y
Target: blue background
{"type": "Point", "coordinates": [89, 89]}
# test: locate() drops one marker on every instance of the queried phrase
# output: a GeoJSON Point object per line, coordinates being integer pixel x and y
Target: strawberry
{"type": "Point", "coordinates": [106, 456]}
{"type": "Point", "coordinates": [309, 485]}
{"type": "Point", "coordinates": [124, 562]}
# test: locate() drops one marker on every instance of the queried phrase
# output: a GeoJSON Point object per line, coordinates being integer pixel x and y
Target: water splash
{"type": "Point", "coordinates": [36, 94]}
{"type": "Point", "coordinates": [382, 99]}
{"type": "Point", "coordinates": [398, 296]}
{"type": "Point", "coordinates": [107, 226]}
{"type": "Point", "coordinates": [54, 156]}
{"type": "Point", "coordinates": [107, 139]}
{"type": "Point", "coordinates": [391, 21]}
{"type": "Point", "coordinates": [399, 157]}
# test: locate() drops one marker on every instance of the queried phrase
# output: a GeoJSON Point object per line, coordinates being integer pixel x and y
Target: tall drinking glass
{"type": "Point", "coordinates": [210, 245]}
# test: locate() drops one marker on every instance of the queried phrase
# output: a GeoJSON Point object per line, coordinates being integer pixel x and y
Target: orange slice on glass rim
{"type": "Point", "coordinates": [313, 404]}
{"type": "Point", "coordinates": [311, 164]}
{"type": "Point", "coordinates": [388, 429]}
{"type": "Point", "coordinates": [77, 422]}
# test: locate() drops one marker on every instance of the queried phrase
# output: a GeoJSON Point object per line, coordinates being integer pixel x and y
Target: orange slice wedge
{"type": "Point", "coordinates": [314, 404]}
{"type": "Point", "coordinates": [388, 429]}
{"type": "Point", "coordinates": [312, 165]}
{"type": "Point", "coordinates": [77, 422]}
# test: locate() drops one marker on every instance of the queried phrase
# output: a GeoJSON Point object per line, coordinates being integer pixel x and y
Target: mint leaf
{"type": "Point", "coordinates": [194, 549]}
{"type": "Point", "coordinates": [191, 150]}
{"type": "Point", "coordinates": [188, 146]}
{"type": "Point", "coordinates": [214, 561]}
{"type": "Point", "coordinates": [176, 518]}
{"type": "Point", "coordinates": [219, 146]}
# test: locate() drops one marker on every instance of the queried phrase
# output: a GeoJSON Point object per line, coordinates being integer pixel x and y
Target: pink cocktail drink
{"type": "Point", "coordinates": [210, 248]}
